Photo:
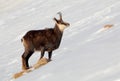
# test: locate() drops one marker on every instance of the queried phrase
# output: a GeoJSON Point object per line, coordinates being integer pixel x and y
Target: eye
{"type": "Point", "coordinates": [63, 23]}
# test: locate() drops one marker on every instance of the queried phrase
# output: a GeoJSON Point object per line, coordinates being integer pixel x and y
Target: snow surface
{"type": "Point", "coordinates": [88, 51]}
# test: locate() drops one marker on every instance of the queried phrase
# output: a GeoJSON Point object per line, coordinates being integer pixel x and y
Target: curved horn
{"type": "Point", "coordinates": [60, 14]}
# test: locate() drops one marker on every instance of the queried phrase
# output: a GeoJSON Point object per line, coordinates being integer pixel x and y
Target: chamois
{"type": "Point", "coordinates": [43, 40]}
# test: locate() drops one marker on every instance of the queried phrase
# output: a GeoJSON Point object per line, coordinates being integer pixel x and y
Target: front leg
{"type": "Point", "coordinates": [42, 53]}
{"type": "Point", "coordinates": [49, 55]}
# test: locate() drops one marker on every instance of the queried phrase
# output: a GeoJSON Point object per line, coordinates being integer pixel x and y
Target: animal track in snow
{"type": "Point", "coordinates": [106, 27]}
{"type": "Point", "coordinates": [100, 31]}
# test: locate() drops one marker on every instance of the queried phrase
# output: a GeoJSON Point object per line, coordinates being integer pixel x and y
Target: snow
{"type": "Point", "coordinates": [88, 51]}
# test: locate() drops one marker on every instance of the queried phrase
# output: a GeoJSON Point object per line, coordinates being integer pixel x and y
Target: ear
{"type": "Point", "coordinates": [55, 20]}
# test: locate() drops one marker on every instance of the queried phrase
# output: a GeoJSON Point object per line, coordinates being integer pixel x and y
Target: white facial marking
{"type": "Point", "coordinates": [61, 27]}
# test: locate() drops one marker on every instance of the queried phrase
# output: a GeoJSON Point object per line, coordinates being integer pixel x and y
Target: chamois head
{"type": "Point", "coordinates": [60, 23]}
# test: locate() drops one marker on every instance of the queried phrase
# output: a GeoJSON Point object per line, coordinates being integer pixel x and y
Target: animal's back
{"type": "Point", "coordinates": [42, 38]}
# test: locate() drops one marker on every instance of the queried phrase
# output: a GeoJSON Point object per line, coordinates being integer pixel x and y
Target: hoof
{"type": "Point", "coordinates": [25, 68]}
{"type": "Point", "coordinates": [49, 60]}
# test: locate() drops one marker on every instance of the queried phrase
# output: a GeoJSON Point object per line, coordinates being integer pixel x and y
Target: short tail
{"type": "Point", "coordinates": [22, 40]}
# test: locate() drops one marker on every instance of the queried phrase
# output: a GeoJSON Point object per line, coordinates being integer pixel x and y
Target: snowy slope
{"type": "Point", "coordinates": [88, 51]}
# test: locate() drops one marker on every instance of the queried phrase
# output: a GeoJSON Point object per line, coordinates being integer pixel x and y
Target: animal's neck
{"type": "Point", "coordinates": [61, 27]}
{"type": "Point", "coordinates": [58, 34]}
{"type": "Point", "coordinates": [58, 31]}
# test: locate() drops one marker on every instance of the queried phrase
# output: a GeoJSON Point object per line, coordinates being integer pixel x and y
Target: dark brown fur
{"type": "Point", "coordinates": [41, 40]}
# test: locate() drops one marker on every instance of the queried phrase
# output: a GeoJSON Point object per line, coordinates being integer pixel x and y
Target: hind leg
{"type": "Point", "coordinates": [25, 58]}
